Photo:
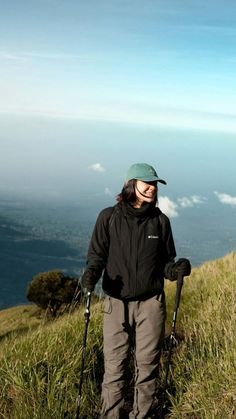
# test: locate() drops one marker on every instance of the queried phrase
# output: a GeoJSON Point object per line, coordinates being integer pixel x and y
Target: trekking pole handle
{"type": "Point", "coordinates": [87, 309]}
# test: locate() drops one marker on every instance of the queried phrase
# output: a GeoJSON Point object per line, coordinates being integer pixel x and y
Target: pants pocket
{"type": "Point", "coordinates": [161, 297]}
{"type": "Point", "coordinates": [107, 308]}
{"type": "Point", "coordinates": [161, 300]}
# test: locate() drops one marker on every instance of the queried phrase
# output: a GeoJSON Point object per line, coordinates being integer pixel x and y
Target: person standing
{"type": "Point", "coordinates": [132, 246]}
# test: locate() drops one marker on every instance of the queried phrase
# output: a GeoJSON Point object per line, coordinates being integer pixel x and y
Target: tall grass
{"type": "Point", "coordinates": [204, 368]}
{"type": "Point", "coordinates": [40, 371]}
{"type": "Point", "coordinates": [40, 368]}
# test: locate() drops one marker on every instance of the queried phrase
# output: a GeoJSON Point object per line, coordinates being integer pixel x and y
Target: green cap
{"type": "Point", "coordinates": [143, 171]}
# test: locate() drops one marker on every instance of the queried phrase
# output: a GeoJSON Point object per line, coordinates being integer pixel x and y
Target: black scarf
{"type": "Point", "coordinates": [145, 210]}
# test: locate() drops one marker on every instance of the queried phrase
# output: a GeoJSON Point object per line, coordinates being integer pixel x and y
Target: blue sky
{"type": "Point", "coordinates": [89, 87]}
{"type": "Point", "coordinates": [170, 63]}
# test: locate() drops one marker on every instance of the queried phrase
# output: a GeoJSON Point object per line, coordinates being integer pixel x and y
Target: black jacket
{"type": "Point", "coordinates": [133, 247]}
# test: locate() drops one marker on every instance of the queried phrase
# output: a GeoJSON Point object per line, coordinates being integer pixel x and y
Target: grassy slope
{"type": "Point", "coordinates": [39, 370]}
{"type": "Point", "coordinates": [205, 367]}
{"type": "Point", "coordinates": [40, 362]}
{"type": "Point", "coordinates": [17, 320]}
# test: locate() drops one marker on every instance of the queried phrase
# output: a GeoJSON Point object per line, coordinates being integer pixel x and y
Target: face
{"type": "Point", "coordinates": [145, 192]}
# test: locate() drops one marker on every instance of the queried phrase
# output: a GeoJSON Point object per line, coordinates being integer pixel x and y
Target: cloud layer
{"type": "Point", "coordinates": [171, 208]}
{"type": "Point", "coordinates": [188, 202]}
{"type": "Point", "coordinates": [168, 207]}
{"type": "Point", "coordinates": [227, 199]}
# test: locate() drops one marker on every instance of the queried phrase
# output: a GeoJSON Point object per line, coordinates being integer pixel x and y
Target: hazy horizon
{"type": "Point", "coordinates": [38, 235]}
{"type": "Point", "coordinates": [88, 88]}
{"type": "Point", "coordinates": [71, 160]}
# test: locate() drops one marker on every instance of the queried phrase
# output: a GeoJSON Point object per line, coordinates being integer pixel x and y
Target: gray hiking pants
{"type": "Point", "coordinates": [146, 321]}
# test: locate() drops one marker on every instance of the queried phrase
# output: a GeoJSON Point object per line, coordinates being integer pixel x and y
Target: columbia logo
{"type": "Point", "coordinates": [153, 237]}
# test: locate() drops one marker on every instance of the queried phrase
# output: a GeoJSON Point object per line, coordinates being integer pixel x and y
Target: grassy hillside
{"type": "Point", "coordinates": [40, 361]}
{"type": "Point", "coordinates": [205, 366]}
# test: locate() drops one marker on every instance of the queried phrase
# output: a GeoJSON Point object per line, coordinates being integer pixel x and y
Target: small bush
{"type": "Point", "coordinates": [50, 290]}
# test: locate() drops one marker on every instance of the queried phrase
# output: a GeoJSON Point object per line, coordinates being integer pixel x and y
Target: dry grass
{"type": "Point", "coordinates": [205, 366]}
{"type": "Point", "coordinates": [18, 320]}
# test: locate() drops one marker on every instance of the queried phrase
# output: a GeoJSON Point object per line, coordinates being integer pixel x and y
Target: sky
{"type": "Point", "coordinates": [89, 87]}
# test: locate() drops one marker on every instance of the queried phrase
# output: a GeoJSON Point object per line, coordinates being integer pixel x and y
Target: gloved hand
{"type": "Point", "coordinates": [181, 267]}
{"type": "Point", "coordinates": [88, 280]}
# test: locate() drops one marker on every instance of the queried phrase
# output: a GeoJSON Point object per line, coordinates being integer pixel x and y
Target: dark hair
{"type": "Point", "coordinates": [127, 194]}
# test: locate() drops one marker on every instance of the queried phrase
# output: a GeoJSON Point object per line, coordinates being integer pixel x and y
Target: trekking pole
{"type": "Point", "coordinates": [86, 316]}
{"type": "Point", "coordinates": [179, 285]}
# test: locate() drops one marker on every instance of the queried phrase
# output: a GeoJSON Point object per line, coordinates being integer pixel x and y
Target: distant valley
{"type": "Point", "coordinates": [34, 240]}
{"type": "Point", "coordinates": [37, 236]}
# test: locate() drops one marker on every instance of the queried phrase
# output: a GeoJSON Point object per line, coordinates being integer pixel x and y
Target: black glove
{"type": "Point", "coordinates": [181, 267]}
{"type": "Point", "coordinates": [88, 280]}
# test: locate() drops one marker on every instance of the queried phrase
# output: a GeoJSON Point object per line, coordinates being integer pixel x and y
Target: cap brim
{"type": "Point", "coordinates": [162, 181]}
{"type": "Point", "coordinates": [152, 179]}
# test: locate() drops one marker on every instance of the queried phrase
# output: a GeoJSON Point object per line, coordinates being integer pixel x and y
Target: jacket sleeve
{"type": "Point", "coordinates": [99, 245]}
{"type": "Point", "coordinates": [169, 245]}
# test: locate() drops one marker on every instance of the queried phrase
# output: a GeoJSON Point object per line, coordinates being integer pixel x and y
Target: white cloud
{"type": "Point", "coordinates": [24, 55]}
{"type": "Point", "coordinates": [170, 208]}
{"type": "Point", "coordinates": [167, 206]}
{"type": "Point", "coordinates": [225, 198]}
{"type": "Point", "coordinates": [8, 56]}
{"type": "Point", "coordinates": [108, 192]}
{"type": "Point", "coordinates": [97, 167]}
{"type": "Point", "coordinates": [185, 202]}
{"type": "Point", "coordinates": [188, 202]}
{"type": "Point", "coordinates": [198, 199]}
{"type": "Point", "coordinates": [177, 118]}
